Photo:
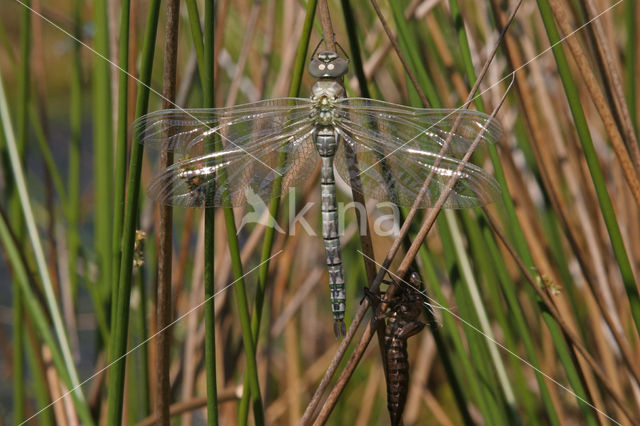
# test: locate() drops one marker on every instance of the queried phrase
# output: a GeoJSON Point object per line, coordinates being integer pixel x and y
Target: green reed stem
{"type": "Point", "coordinates": [240, 291]}
{"type": "Point", "coordinates": [138, 400]}
{"type": "Point", "coordinates": [408, 44]}
{"type": "Point", "coordinates": [36, 368]}
{"type": "Point", "coordinates": [119, 333]}
{"type": "Point", "coordinates": [209, 227]}
{"type": "Point", "coordinates": [41, 263]}
{"type": "Point", "coordinates": [121, 151]}
{"type": "Point", "coordinates": [103, 150]}
{"type": "Point", "coordinates": [196, 35]}
{"type": "Point", "coordinates": [73, 171]}
{"type": "Point", "coordinates": [354, 47]}
{"type": "Point", "coordinates": [16, 216]}
{"type": "Point", "coordinates": [17, 365]}
{"type": "Point", "coordinates": [47, 156]}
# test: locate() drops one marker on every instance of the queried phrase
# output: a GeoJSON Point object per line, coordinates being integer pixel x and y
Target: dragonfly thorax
{"type": "Point", "coordinates": [324, 94]}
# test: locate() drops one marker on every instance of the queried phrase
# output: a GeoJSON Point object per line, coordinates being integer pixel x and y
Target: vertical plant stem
{"type": "Point", "coordinates": [102, 151]}
{"type": "Point", "coordinates": [73, 173]}
{"type": "Point", "coordinates": [138, 403]}
{"type": "Point", "coordinates": [630, 61]}
{"type": "Point", "coordinates": [327, 28]}
{"type": "Point", "coordinates": [196, 35]}
{"type": "Point", "coordinates": [121, 150]}
{"type": "Point", "coordinates": [119, 333]}
{"type": "Point", "coordinates": [16, 216]}
{"type": "Point", "coordinates": [39, 382]}
{"type": "Point", "coordinates": [241, 300]}
{"type": "Point", "coordinates": [354, 47]}
{"type": "Point", "coordinates": [209, 229]}
{"type": "Point", "coordinates": [17, 354]}
{"type": "Point", "coordinates": [163, 399]}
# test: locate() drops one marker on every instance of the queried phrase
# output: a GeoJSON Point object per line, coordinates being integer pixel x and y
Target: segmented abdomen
{"type": "Point", "coordinates": [397, 369]}
{"type": "Point", "coordinates": [403, 321]}
{"type": "Point", "coordinates": [326, 140]}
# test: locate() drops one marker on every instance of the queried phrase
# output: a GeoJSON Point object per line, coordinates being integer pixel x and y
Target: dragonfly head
{"type": "Point", "coordinates": [328, 65]}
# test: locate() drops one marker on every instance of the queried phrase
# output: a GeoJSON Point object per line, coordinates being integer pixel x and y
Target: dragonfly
{"type": "Point", "coordinates": [405, 309]}
{"type": "Point", "coordinates": [383, 150]}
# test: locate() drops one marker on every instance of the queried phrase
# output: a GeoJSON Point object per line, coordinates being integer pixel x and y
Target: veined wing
{"type": "Point", "coordinates": [258, 146]}
{"type": "Point", "coordinates": [185, 130]}
{"type": "Point", "coordinates": [397, 147]}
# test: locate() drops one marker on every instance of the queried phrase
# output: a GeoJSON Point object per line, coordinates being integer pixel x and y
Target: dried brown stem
{"type": "Point", "coordinates": [165, 229]}
{"type": "Point", "coordinates": [327, 27]}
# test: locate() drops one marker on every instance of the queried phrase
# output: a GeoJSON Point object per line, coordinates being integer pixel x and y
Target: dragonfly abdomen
{"type": "Point", "coordinates": [326, 142]}
{"type": "Point", "coordinates": [397, 368]}
{"type": "Point", "coordinates": [403, 321]}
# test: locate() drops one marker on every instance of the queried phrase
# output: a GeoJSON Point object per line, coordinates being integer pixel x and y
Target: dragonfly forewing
{"type": "Point", "coordinates": [258, 147]}
{"type": "Point", "coordinates": [185, 131]}
{"type": "Point", "coordinates": [400, 124]}
{"type": "Point", "coordinates": [396, 148]}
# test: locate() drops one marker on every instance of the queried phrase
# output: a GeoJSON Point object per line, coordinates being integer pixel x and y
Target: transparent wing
{"type": "Point", "coordinates": [185, 130]}
{"type": "Point", "coordinates": [397, 146]}
{"type": "Point", "coordinates": [258, 145]}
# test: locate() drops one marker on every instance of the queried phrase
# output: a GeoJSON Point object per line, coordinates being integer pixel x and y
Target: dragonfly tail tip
{"type": "Point", "coordinates": [339, 329]}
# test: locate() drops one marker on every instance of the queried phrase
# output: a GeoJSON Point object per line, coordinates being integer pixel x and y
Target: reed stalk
{"type": "Point", "coordinates": [209, 227]}
{"type": "Point", "coordinates": [119, 339]}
